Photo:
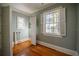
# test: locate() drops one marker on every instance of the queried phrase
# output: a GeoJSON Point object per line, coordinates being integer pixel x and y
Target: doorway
{"type": "Point", "coordinates": [20, 27]}
{"type": "Point", "coordinates": [24, 29]}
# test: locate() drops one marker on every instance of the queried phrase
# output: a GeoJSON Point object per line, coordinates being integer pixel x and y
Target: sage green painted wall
{"type": "Point", "coordinates": [6, 31]}
{"type": "Point", "coordinates": [69, 41]}
{"type": "Point", "coordinates": [77, 28]}
{"type": "Point", "coordinates": [0, 30]}
{"type": "Point", "coordinates": [24, 33]}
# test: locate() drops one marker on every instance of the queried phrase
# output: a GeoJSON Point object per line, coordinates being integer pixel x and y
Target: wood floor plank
{"type": "Point", "coordinates": [27, 49]}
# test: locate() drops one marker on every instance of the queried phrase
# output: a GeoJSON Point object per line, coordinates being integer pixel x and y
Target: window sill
{"type": "Point", "coordinates": [52, 35]}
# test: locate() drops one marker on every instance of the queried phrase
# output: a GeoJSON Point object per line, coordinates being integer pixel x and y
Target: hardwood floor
{"type": "Point", "coordinates": [27, 49]}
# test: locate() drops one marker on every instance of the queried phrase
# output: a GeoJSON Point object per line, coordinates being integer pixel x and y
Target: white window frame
{"type": "Point", "coordinates": [62, 22]}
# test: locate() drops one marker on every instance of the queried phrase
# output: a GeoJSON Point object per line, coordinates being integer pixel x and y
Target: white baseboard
{"type": "Point", "coordinates": [19, 41]}
{"type": "Point", "coordinates": [61, 49]}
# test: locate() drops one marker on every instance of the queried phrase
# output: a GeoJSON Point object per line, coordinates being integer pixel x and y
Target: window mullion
{"type": "Point", "coordinates": [53, 22]}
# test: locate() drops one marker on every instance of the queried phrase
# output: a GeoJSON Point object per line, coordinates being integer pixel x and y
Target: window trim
{"type": "Point", "coordinates": [43, 24]}
{"type": "Point", "coordinates": [53, 35]}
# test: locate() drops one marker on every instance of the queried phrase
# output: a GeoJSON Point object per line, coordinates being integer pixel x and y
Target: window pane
{"type": "Point", "coordinates": [20, 23]}
{"type": "Point", "coordinates": [47, 18]}
{"type": "Point", "coordinates": [56, 16]}
{"type": "Point", "coordinates": [47, 28]}
{"type": "Point", "coordinates": [51, 18]}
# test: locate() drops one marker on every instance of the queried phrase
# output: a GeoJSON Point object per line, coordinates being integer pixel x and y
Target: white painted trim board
{"type": "Point", "coordinates": [20, 41]}
{"type": "Point", "coordinates": [61, 49]}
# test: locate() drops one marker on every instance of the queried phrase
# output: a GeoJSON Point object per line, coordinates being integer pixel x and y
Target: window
{"type": "Point", "coordinates": [20, 22]}
{"type": "Point", "coordinates": [52, 21]}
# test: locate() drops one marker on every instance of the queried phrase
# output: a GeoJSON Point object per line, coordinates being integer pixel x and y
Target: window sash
{"type": "Point", "coordinates": [59, 23]}
{"type": "Point", "coordinates": [49, 21]}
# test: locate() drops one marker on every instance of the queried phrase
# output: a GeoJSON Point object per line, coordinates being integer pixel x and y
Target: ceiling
{"type": "Point", "coordinates": [29, 7]}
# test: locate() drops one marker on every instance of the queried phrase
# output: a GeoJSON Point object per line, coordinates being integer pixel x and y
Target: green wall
{"type": "Point", "coordinates": [24, 33]}
{"type": "Point", "coordinates": [0, 30]}
{"type": "Point", "coordinates": [69, 41]}
{"type": "Point", "coordinates": [6, 31]}
{"type": "Point", "coordinates": [77, 28]}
